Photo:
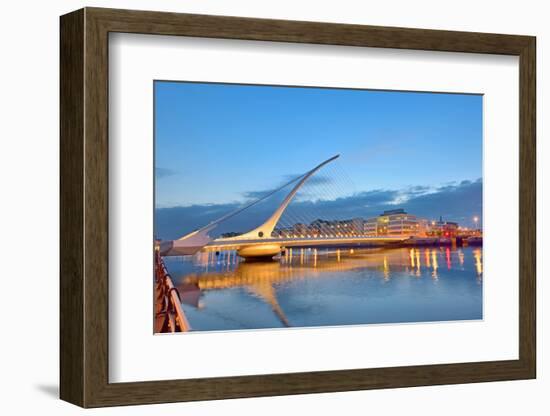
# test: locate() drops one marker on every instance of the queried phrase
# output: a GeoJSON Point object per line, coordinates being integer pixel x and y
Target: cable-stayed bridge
{"type": "Point", "coordinates": [265, 241]}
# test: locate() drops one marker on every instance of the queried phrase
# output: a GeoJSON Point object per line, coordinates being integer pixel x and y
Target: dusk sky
{"type": "Point", "coordinates": [220, 145]}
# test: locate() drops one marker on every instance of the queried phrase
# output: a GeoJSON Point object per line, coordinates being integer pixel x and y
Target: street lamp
{"type": "Point", "coordinates": [476, 219]}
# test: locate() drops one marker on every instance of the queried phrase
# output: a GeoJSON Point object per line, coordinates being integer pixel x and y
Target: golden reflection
{"type": "Point", "coordinates": [243, 273]}
{"type": "Point", "coordinates": [386, 269]}
{"type": "Point", "coordinates": [319, 263]}
{"type": "Point", "coordinates": [434, 265]}
{"type": "Point", "coordinates": [479, 266]}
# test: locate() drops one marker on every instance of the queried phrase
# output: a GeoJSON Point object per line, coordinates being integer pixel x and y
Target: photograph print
{"type": "Point", "coordinates": [292, 207]}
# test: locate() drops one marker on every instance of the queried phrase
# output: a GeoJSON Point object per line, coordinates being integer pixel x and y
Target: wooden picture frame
{"type": "Point", "coordinates": [84, 207]}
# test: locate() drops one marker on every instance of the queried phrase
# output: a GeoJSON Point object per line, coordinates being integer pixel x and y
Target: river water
{"type": "Point", "coordinates": [317, 287]}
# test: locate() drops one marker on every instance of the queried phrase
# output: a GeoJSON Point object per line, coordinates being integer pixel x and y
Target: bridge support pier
{"type": "Point", "coordinates": [261, 251]}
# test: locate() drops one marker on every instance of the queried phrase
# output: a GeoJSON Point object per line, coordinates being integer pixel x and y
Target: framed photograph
{"type": "Point", "coordinates": [255, 207]}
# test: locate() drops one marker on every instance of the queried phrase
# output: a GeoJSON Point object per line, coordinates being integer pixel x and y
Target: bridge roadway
{"type": "Point", "coordinates": [268, 247]}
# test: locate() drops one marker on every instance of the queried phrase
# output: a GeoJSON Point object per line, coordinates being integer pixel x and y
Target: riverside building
{"type": "Point", "coordinates": [393, 222]}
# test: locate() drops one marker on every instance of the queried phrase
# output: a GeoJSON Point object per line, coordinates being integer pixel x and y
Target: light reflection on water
{"type": "Point", "coordinates": [311, 287]}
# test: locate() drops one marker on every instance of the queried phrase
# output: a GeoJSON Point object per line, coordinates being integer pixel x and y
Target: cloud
{"type": "Point", "coordinates": [257, 194]}
{"type": "Point", "coordinates": [311, 182]}
{"type": "Point", "coordinates": [163, 172]}
{"type": "Point", "coordinates": [419, 189]}
{"type": "Point", "coordinates": [458, 202]}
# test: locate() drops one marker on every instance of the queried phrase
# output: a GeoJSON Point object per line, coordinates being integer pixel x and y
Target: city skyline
{"type": "Point", "coordinates": [460, 203]}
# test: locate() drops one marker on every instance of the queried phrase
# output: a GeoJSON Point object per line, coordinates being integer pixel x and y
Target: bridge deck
{"type": "Point", "coordinates": [221, 244]}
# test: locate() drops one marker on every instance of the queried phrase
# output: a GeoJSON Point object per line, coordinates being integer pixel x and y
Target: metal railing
{"type": "Point", "coordinates": [169, 316]}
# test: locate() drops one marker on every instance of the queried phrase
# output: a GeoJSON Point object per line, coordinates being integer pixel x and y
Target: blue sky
{"type": "Point", "coordinates": [215, 144]}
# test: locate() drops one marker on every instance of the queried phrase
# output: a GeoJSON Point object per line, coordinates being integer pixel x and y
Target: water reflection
{"type": "Point", "coordinates": [435, 266]}
{"type": "Point", "coordinates": [479, 267]}
{"type": "Point", "coordinates": [310, 287]}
